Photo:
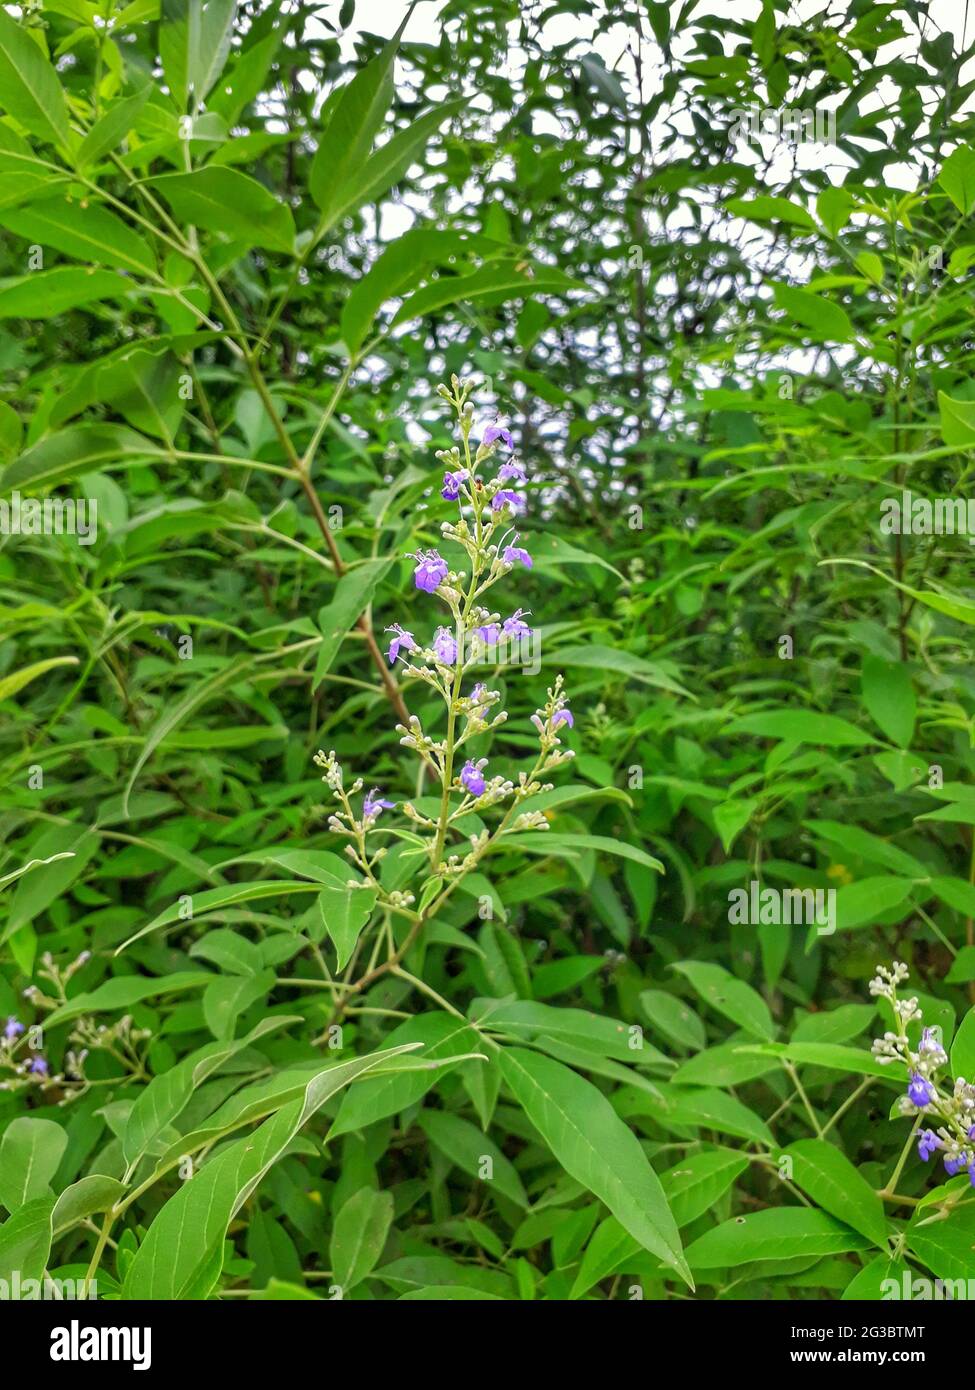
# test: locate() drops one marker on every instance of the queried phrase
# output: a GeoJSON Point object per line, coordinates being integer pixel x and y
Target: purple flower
{"type": "Point", "coordinates": [38, 1066]}
{"type": "Point", "coordinates": [512, 472]}
{"type": "Point", "coordinates": [563, 716]}
{"type": "Point", "coordinates": [952, 1166]}
{"type": "Point", "coordinates": [930, 1042]}
{"type": "Point", "coordinates": [444, 646]}
{"type": "Point", "coordinates": [472, 778]}
{"type": "Point", "coordinates": [452, 484]}
{"type": "Point", "coordinates": [494, 432]}
{"type": "Point", "coordinates": [920, 1092]}
{"type": "Point", "coordinates": [374, 804]}
{"type": "Point", "coordinates": [506, 498]}
{"type": "Point", "coordinates": [515, 554]}
{"type": "Point", "coordinates": [515, 626]}
{"type": "Point", "coordinates": [489, 634]}
{"type": "Point", "coordinates": [13, 1028]}
{"type": "Point", "coordinates": [971, 1174]}
{"type": "Point", "coordinates": [476, 696]}
{"type": "Point", "coordinates": [431, 570]}
{"type": "Point", "coordinates": [402, 639]}
{"type": "Point", "coordinates": [927, 1142]}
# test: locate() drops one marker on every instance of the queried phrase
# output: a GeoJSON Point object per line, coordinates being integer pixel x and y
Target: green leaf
{"type": "Point", "coordinates": [779, 1233]}
{"type": "Point", "coordinates": [356, 114]}
{"type": "Point", "coordinates": [228, 896]}
{"type": "Point", "coordinates": [126, 990]}
{"type": "Point", "coordinates": [609, 1249]}
{"type": "Point", "coordinates": [824, 1173]}
{"type": "Point", "coordinates": [673, 1018]}
{"type": "Point", "coordinates": [368, 183]}
{"type": "Point", "coordinates": [73, 452]}
{"type": "Point", "coordinates": [176, 1258]}
{"type": "Point", "coordinates": [947, 1247]}
{"type": "Point", "coordinates": [551, 841]}
{"type": "Point", "coordinates": [88, 232]}
{"type": "Point", "coordinates": [344, 912]}
{"type": "Point", "coordinates": [595, 1147]}
{"type": "Point", "coordinates": [46, 293]}
{"type": "Point", "coordinates": [503, 281]}
{"type": "Point", "coordinates": [594, 1033]}
{"type": "Point", "coordinates": [694, 1185]}
{"type": "Point", "coordinates": [29, 88]}
{"type": "Point", "coordinates": [957, 421]}
{"type": "Point", "coordinates": [400, 268]}
{"type": "Point", "coordinates": [111, 129]}
{"type": "Point", "coordinates": [30, 1152]}
{"type": "Point", "coordinates": [226, 201]}
{"type": "Point", "coordinates": [9, 685]}
{"type": "Point", "coordinates": [467, 1147]}
{"type": "Point", "coordinates": [25, 1241]}
{"type": "Point", "coordinates": [963, 1048]}
{"type": "Point", "coordinates": [957, 178]}
{"type": "Point", "coordinates": [730, 996]}
{"type": "Point", "coordinates": [84, 1198]}
{"type": "Point", "coordinates": [865, 902]}
{"type": "Point", "coordinates": [226, 998]}
{"type": "Point", "coordinates": [869, 1284]}
{"type": "Point", "coordinates": [801, 726]}
{"type": "Point", "coordinates": [823, 320]}
{"type": "Point", "coordinates": [765, 208]}
{"type": "Point", "coordinates": [72, 847]}
{"type": "Point", "coordinates": [962, 967]}
{"type": "Point", "coordinates": [353, 594]}
{"type": "Point", "coordinates": [160, 1103]}
{"type": "Point", "coordinates": [360, 1232]}
{"type": "Point", "coordinates": [678, 1108]}
{"type": "Point", "coordinates": [442, 1036]}
{"type": "Point", "coordinates": [855, 1060]}
{"type": "Point", "coordinates": [854, 841]}
{"type": "Point", "coordinates": [889, 697]}
{"type": "Point", "coordinates": [723, 1065]}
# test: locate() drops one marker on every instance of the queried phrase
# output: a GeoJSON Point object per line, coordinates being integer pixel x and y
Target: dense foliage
{"type": "Point", "coordinates": [314, 337]}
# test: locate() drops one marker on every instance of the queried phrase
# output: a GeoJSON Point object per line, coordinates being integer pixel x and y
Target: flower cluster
{"type": "Point", "coordinates": [950, 1106]}
{"type": "Point", "coordinates": [22, 1056]}
{"type": "Point", "coordinates": [484, 531]}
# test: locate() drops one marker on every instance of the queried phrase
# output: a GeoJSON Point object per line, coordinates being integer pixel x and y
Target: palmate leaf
{"type": "Point", "coordinates": [596, 1148]}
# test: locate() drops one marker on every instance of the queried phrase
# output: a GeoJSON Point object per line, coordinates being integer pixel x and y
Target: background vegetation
{"type": "Point", "coordinates": [240, 250]}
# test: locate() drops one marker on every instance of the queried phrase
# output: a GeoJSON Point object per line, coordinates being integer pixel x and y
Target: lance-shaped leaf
{"type": "Point", "coordinates": [224, 200]}
{"type": "Point", "coordinates": [344, 912]}
{"type": "Point", "coordinates": [29, 88]}
{"type": "Point", "coordinates": [354, 115]}
{"type": "Point", "coordinates": [596, 1148]}
{"type": "Point", "coordinates": [177, 1258]}
{"type": "Point", "coordinates": [159, 1104]}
